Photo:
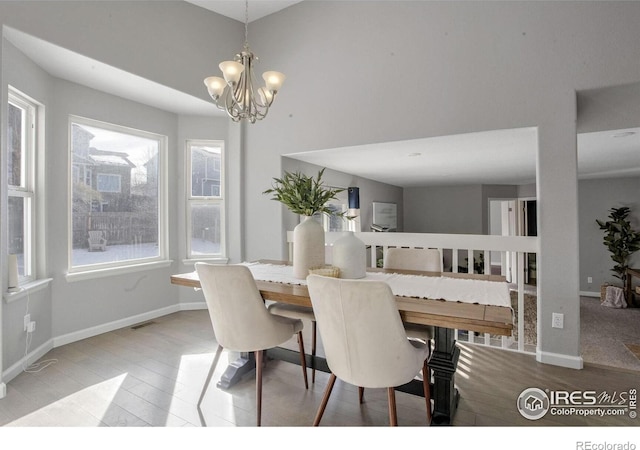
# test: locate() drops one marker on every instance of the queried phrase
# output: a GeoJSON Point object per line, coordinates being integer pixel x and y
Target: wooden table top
{"type": "Point", "coordinates": [456, 315]}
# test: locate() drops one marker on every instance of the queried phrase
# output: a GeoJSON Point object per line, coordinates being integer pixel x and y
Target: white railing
{"type": "Point", "coordinates": [458, 251]}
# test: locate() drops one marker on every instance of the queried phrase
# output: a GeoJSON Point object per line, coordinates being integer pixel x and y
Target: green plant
{"type": "Point", "coordinates": [620, 239]}
{"type": "Point", "coordinates": [303, 194]}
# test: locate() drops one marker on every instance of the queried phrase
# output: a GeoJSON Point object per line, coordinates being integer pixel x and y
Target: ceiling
{"type": "Point", "coordinates": [490, 157]}
{"type": "Point", "coordinates": [79, 69]}
{"type": "Point", "coordinates": [235, 9]}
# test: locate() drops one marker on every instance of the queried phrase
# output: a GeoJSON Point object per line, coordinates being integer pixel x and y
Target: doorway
{"type": "Point", "coordinates": [513, 217]}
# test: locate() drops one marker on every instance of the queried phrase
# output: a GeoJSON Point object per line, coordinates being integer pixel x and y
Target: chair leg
{"type": "Point", "coordinates": [313, 351]}
{"type": "Point", "coordinates": [206, 384]}
{"type": "Point", "coordinates": [303, 360]}
{"type": "Point", "coordinates": [360, 394]}
{"type": "Point", "coordinates": [426, 383]}
{"type": "Point", "coordinates": [393, 416]}
{"type": "Point", "coordinates": [258, 355]}
{"type": "Point", "coordinates": [210, 374]}
{"type": "Point", "coordinates": [325, 399]}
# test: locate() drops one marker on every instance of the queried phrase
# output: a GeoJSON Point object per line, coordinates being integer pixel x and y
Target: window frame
{"type": "Point", "coordinates": [192, 200]}
{"type": "Point", "coordinates": [102, 269]}
{"type": "Point", "coordinates": [27, 191]}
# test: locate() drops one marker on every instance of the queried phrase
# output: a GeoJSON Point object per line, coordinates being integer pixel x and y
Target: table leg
{"type": "Point", "coordinates": [443, 362]}
{"type": "Point", "coordinates": [236, 370]}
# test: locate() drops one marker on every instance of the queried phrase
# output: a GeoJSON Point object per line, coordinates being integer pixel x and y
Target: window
{"type": "Point", "coordinates": [109, 183]}
{"type": "Point", "coordinates": [21, 148]}
{"type": "Point", "coordinates": [205, 199]}
{"type": "Point", "coordinates": [117, 194]}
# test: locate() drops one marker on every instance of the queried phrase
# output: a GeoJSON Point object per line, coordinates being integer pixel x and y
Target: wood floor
{"type": "Point", "coordinates": [153, 375]}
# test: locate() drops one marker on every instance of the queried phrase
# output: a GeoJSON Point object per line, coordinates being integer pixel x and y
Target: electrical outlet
{"type": "Point", "coordinates": [27, 319]}
{"type": "Point", "coordinates": [589, 280]}
{"type": "Point", "coordinates": [557, 320]}
{"type": "Point", "coordinates": [31, 327]}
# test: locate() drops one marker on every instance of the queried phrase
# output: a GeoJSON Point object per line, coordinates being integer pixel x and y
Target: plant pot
{"type": "Point", "coordinates": [350, 255]}
{"type": "Point", "coordinates": [308, 247]}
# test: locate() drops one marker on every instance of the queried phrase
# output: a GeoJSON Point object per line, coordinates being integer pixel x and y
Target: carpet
{"type": "Point", "coordinates": [530, 317]}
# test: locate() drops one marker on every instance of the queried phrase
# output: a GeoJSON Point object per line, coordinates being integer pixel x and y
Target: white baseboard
{"type": "Point", "coordinates": [589, 294]}
{"type": "Point", "coordinates": [26, 361]}
{"type": "Point", "coordinates": [557, 359]}
{"type": "Point", "coordinates": [38, 353]}
{"type": "Point", "coordinates": [111, 326]}
{"type": "Point", "coordinates": [193, 306]}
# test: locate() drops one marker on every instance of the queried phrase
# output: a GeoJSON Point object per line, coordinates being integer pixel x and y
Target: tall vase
{"type": "Point", "coordinates": [308, 247]}
{"type": "Point", "coordinates": [350, 255]}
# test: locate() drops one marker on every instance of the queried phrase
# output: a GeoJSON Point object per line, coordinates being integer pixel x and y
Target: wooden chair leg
{"type": "Point", "coordinates": [313, 351]}
{"type": "Point", "coordinates": [210, 374]}
{"type": "Point", "coordinates": [258, 355]}
{"type": "Point", "coordinates": [393, 416]}
{"type": "Point", "coordinates": [325, 399]}
{"type": "Point", "coordinates": [426, 383]}
{"type": "Point", "coordinates": [360, 394]}
{"type": "Point", "coordinates": [303, 360]}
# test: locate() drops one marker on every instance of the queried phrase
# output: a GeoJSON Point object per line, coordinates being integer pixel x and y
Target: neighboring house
{"type": "Point", "coordinates": [102, 179]}
{"type": "Point", "coordinates": [205, 180]}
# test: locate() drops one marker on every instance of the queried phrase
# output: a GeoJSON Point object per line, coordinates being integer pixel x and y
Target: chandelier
{"type": "Point", "coordinates": [236, 93]}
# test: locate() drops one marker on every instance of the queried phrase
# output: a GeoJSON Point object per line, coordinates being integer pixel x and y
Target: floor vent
{"type": "Point", "coordinates": [143, 324]}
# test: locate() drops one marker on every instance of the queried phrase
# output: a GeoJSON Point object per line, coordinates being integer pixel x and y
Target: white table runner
{"type": "Point", "coordinates": [452, 289]}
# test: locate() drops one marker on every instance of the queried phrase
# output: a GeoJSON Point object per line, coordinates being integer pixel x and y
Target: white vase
{"type": "Point", "coordinates": [308, 247]}
{"type": "Point", "coordinates": [350, 255]}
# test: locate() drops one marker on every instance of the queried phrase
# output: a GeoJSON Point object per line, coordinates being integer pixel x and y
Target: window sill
{"type": "Point", "coordinates": [114, 271]}
{"type": "Point", "coordinates": [212, 260]}
{"type": "Point", "coordinates": [26, 289]}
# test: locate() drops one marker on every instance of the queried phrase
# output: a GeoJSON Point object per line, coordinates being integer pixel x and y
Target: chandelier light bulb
{"type": "Point", "coordinates": [273, 80]}
{"type": "Point", "coordinates": [215, 86]}
{"type": "Point", "coordinates": [231, 71]}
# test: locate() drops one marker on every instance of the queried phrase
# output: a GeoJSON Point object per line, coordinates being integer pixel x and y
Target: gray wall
{"type": "Point", "coordinates": [527, 60]}
{"type": "Point", "coordinates": [67, 307]}
{"type": "Point", "coordinates": [451, 209]}
{"type": "Point", "coordinates": [370, 191]}
{"type": "Point", "coordinates": [21, 73]}
{"type": "Point", "coordinates": [596, 198]}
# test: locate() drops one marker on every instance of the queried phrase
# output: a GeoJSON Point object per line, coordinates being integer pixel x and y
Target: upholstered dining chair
{"type": "Point", "coordinates": [364, 341]}
{"type": "Point", "coordinates": [302, 313]}
{"type": "Point", "coordinates": [423, 259]}
{"type": "Point", "coordinates": [241, 321]}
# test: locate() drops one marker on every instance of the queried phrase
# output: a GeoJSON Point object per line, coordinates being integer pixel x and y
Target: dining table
{"type": "Point", "coordinates": [446, 315]}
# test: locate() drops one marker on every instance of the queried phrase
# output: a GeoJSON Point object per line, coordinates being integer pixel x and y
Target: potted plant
{"type": "Point", "coordinates": [620, 239]}
{"type": "Point", "coordinates": [306, 196]}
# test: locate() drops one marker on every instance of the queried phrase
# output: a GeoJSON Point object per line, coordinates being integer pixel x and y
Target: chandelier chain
{"type": "Point", "coordinates": [246, 23]}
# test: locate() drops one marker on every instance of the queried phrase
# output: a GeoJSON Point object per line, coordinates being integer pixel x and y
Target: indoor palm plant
{"type": "Point", "coordinates": [305, 195]}
{"type": "Point", "coordinates": [620, 239]}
